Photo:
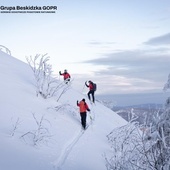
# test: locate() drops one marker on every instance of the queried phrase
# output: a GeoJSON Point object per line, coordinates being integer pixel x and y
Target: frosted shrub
{"type": "Point", "coordinates": [46, 85]}
{"type": "Point", "coordinates": [40, 134]}
{"type": "Point", "coordinates": [142, 147]}
{"type": "Point", "coordinates": [126, 146]}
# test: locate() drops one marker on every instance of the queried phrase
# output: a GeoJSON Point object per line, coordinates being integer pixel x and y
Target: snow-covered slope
{"type": "Point", "coordinates": [53, 126]}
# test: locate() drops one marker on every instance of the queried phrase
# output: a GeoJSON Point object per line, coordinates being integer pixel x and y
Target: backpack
{"type": "Point", "coordinates": [94, 86]}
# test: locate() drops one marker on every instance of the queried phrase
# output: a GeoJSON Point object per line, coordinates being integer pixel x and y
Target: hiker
{"type": "Point", "coordinates": [65, 75]}
{"type": "Point", "coordinates": [92, 89]}
{"type": "Point", "coordinates": [83, 108]}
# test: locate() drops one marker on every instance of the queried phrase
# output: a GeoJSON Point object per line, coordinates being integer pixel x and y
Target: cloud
{"type": "Point", "coordinates": [133, 63]}
{"type": "Point", "coordinates": [134, 70]}
{"type": "Point", "coordinates": [101, 43]}
{"type": "Point", "coordinates": [160, 40]}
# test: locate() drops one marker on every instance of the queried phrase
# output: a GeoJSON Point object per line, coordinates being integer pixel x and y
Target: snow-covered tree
{"type": "Point", "coordinates": [161, 135]}
{"type": "Point", "coordinates": [46, 85]}
{"type": "Point", "coordinates": [139, 147]}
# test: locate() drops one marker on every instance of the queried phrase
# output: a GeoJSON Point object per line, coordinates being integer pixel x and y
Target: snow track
{"type": "Point", "coordinates": [65, 153]}
{"type": "Point", "coordinates": [67, 150]}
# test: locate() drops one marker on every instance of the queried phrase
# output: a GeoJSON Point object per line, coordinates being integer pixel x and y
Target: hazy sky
{"type": "Point", "coordinates": [122, 45]}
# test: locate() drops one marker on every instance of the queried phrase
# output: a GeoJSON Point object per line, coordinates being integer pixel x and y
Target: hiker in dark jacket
{"type": "Point", "coordinates": [91, 90]}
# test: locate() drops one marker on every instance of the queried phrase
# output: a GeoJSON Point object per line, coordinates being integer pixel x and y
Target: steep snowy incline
{"type": "Point", "coordinates": [89, 150]}
{"type": "Point", "coordinates": [61, 145]}
{"type": "Point", "coordinates": [86, 150]}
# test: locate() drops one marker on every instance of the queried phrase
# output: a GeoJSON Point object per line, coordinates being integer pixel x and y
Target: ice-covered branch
{"type": "Point", "coordinates": [5, 49]}
{"type": "Point", "coordinates": [46, 84]}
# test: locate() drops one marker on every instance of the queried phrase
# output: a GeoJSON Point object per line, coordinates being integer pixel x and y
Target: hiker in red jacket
{"type": "Point", "coordinates": [83, 108]}
{"type": "Point", "coordinates": [91, 90]}
{"type": "Point", "coordinates": [65, 75]}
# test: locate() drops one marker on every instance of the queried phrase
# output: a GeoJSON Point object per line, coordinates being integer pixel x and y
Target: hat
{"type": "Point", "coordinates": [83, 100]}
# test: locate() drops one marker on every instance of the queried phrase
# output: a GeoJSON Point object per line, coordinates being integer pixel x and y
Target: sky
{"type": "Point", "coordinates": [123, 46]}
{"type": "Point", "coordinates": [46, 134]}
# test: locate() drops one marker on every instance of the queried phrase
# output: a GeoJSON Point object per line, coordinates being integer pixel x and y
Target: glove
{"type": "Point", "coordinates": [59, 72]}
{"type": "Point", "coordinates": [77, 102]}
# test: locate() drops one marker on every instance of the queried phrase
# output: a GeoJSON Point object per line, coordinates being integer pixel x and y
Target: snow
{"type": "Point", "coordinates": [64, 145]}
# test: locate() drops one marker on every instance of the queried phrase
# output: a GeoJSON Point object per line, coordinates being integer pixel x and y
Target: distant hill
{"type": "Point", "coordinates": [144, 113]}
{"type": "Point", "coordinates": [134, 99]}
{"type": "Point", "coordinates": [142, 105]}
{"type": "Point", "coordinates": [141, 111]}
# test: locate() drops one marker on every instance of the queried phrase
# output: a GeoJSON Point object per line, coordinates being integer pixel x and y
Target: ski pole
{"type": "Point", "coordinates": [90, 116]}
{"type": "Point", "coordinates": [83, 87]}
